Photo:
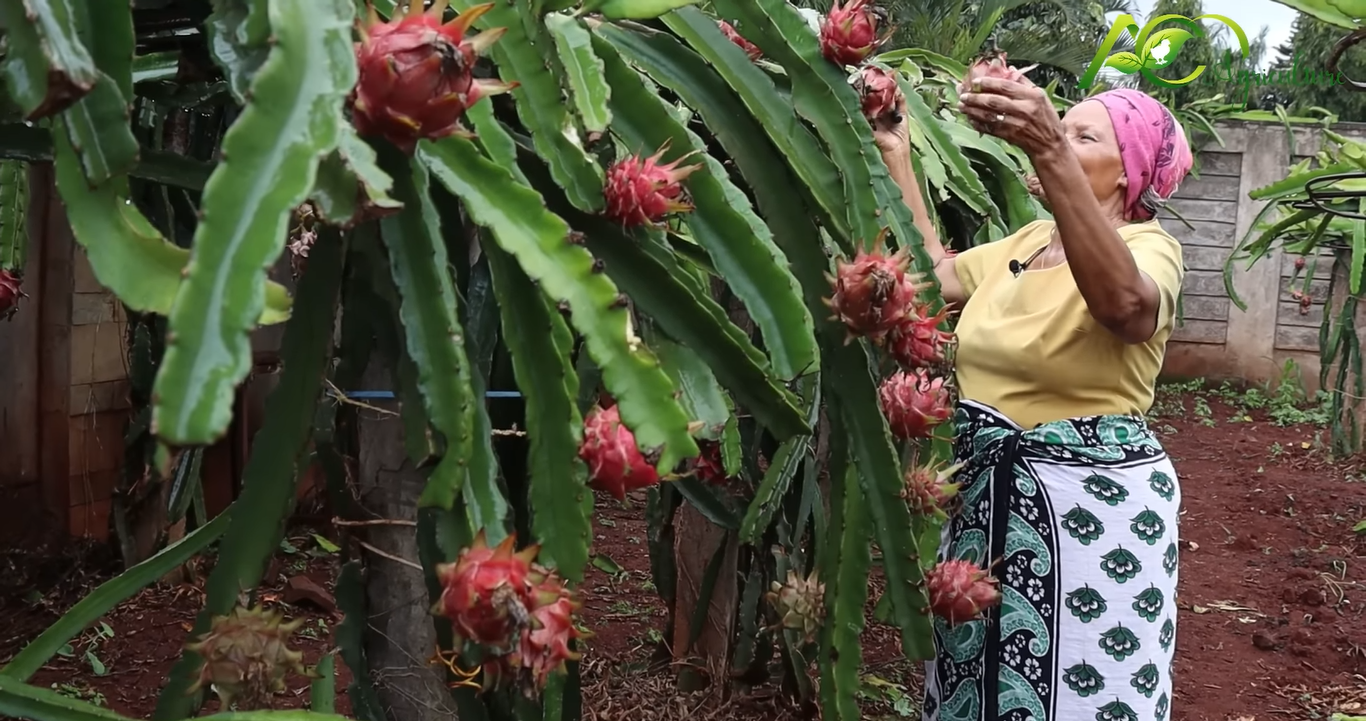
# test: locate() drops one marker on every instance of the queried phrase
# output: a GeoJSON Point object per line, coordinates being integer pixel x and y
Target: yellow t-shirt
{"type": "Point", "coordinates": [1028, 346]}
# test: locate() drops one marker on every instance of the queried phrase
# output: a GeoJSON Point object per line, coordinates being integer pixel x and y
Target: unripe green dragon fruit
{"type": "Point", "coordinates": [801, 604]}
{"type": "Point", "coordinates": [245, 656]}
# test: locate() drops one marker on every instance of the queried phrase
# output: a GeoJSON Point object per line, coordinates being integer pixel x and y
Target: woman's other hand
{"type": "Point", "coordinates": [1035, 189]}
{"type": "Point", "coordinates": [1019, 113]}
{"type": "Point", "coordinates": [891, 132]}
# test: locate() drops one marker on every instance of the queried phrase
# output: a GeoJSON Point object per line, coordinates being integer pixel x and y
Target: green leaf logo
{"type": "Point", "coordinates": [1163, 46]}
{"type": "Point", "coordinates": [1125, 62]}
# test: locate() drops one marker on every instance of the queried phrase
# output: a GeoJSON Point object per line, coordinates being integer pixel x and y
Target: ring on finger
{"type": "Point", "coordinates": [1000, 117]}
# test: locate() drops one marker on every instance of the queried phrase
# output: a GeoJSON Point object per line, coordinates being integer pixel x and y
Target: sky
{"type": "Point", "coordinates": [1250, 15]}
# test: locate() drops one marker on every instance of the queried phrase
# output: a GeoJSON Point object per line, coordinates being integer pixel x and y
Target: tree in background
{"type": "Point", "coordinates": [1062, 39]}
{"type": "Point", "coordinates": [1218, 51]}
{"type": "Point", "coordinates": [1060, 35]}
{"type": "Point", "coordinates": [1312, 41]}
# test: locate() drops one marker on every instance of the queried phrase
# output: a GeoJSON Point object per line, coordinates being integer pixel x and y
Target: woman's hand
{"type": "Point", "coordinates": [1019, 113]}
{"type": "Point", "coordinates": [891, 133]}
{"type": "Point", "coordinates": [1035, 189]}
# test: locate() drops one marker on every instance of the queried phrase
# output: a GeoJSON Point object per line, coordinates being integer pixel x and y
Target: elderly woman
{"type": "Point", "coordinates": [1061, 335]}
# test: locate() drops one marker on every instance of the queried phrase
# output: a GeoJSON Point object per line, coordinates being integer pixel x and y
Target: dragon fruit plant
{"type": "Point", "coordinates": [630, 229]}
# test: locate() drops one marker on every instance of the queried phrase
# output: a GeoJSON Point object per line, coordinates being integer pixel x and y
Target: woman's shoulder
{"type": "Point", "coordinates": [1149, 231]}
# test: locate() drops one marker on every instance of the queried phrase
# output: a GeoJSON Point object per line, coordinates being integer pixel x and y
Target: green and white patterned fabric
{"type": "Point", "coordinates": [1081, 518]}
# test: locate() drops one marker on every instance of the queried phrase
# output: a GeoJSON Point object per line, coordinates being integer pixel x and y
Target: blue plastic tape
{"type": "Point", "coordinates": [390, 394]}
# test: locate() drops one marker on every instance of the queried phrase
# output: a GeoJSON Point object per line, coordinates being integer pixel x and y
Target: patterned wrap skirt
{"type": "Point", "coordinates": [1082, 516]}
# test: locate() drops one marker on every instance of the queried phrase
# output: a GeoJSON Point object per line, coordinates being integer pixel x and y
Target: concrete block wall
{"type": "Point", "coordinates": [1218, 340]}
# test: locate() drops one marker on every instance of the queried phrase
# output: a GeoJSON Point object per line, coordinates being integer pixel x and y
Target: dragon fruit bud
{"type": "Point", "coordinates": [917, 341]}
{"type": "Point", "coordinates": [642, 190]}
{"type": "Point", "coordinates": [914, 403]}
{"type": "Point", "coordinates": [416, 74]}
{"type": "Point", "coordinates": [928, 491]}
{"type": "Point", "coordinates": [878, 91]}
{"type": "Point", "coordinates": [800, 603]}
{"type": "Point", "coordinates": [485, 592]}
{"type": "Point", "coordinates": [992, 64]}
{"type": "Point", "coordinates": [960, 591]}
{"type": "Point", "coordinates": [849, 32]}
{"type": "Point", "coordinates": [615, 464]}
{"type": "Point", "coordinates": [245, 656]}
{"type": "Point", "coordinates": [10, 292]}
{"type": "Point", "coordinates": [873, 293]}
{"type": "Point", "coordinates": [750, 48]}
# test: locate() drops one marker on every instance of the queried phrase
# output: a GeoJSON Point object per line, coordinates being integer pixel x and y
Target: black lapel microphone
{"type": "Point", "coordinates": [1016, 267]}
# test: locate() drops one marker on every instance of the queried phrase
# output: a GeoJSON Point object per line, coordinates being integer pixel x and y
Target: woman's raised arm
{"type": "Point", "coordinates": [893, 139]}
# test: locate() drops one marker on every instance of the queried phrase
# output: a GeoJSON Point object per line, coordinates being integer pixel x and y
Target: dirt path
{"type": "Point", "coordinates": [1273, 587]}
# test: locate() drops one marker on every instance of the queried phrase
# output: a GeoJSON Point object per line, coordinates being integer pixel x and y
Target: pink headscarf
{"type": "Point", "coordinates": [1152, 145]}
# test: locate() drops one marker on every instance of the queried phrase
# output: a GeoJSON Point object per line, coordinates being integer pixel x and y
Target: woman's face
{"type": "Point", "coordinates": [1092, 136]}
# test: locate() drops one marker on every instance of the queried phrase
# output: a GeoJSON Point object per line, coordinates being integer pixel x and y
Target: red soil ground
{"type": "Point", "coordinates": [1273, 586]}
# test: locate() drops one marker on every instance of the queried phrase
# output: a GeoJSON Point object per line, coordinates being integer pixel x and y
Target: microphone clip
{"type": "Point", "coordinates": [1016, 267]}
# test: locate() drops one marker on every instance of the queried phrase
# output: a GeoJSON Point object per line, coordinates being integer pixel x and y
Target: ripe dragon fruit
{"type": "Point", "coordinates": [10, 292]}
{"type": "Point", "coordinates": [992, 64]}
{"type": "Point", "coordinates": [416, 74]}
{"type": "Point", "coordinates": [543, 644]}
{"type": "Point", "coordinates": [245, 656]}
{"type": "Point", "coordinates": [709, 465]}
{"type": "Point", "coordinates": [642, 191]}
{"type": "Point", "coordinates": [800, 603]}
{"type": "Point", "coordinates": [750, 48]}
{"type": "Point", "coordinates": [927, 490]}
{"type": "Point", "coordinates": [615, 464]}
{"type": "Point", "coordinates": [485, 592]}
{"type": "Point", "coordinates": [960, 590]}
{"type": "Point", "coordinates": [914, 403]}
{"type": "Point", "coordinates": [873, 293]}
{"type": "Point", "coordinates": [849, 33]}
{"type": "Point", "coordinates": [545, 648]}
{"type": "Point", "coordinates": [878, 91]}
{"type": "Point", "coordinates": [917, 341]}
